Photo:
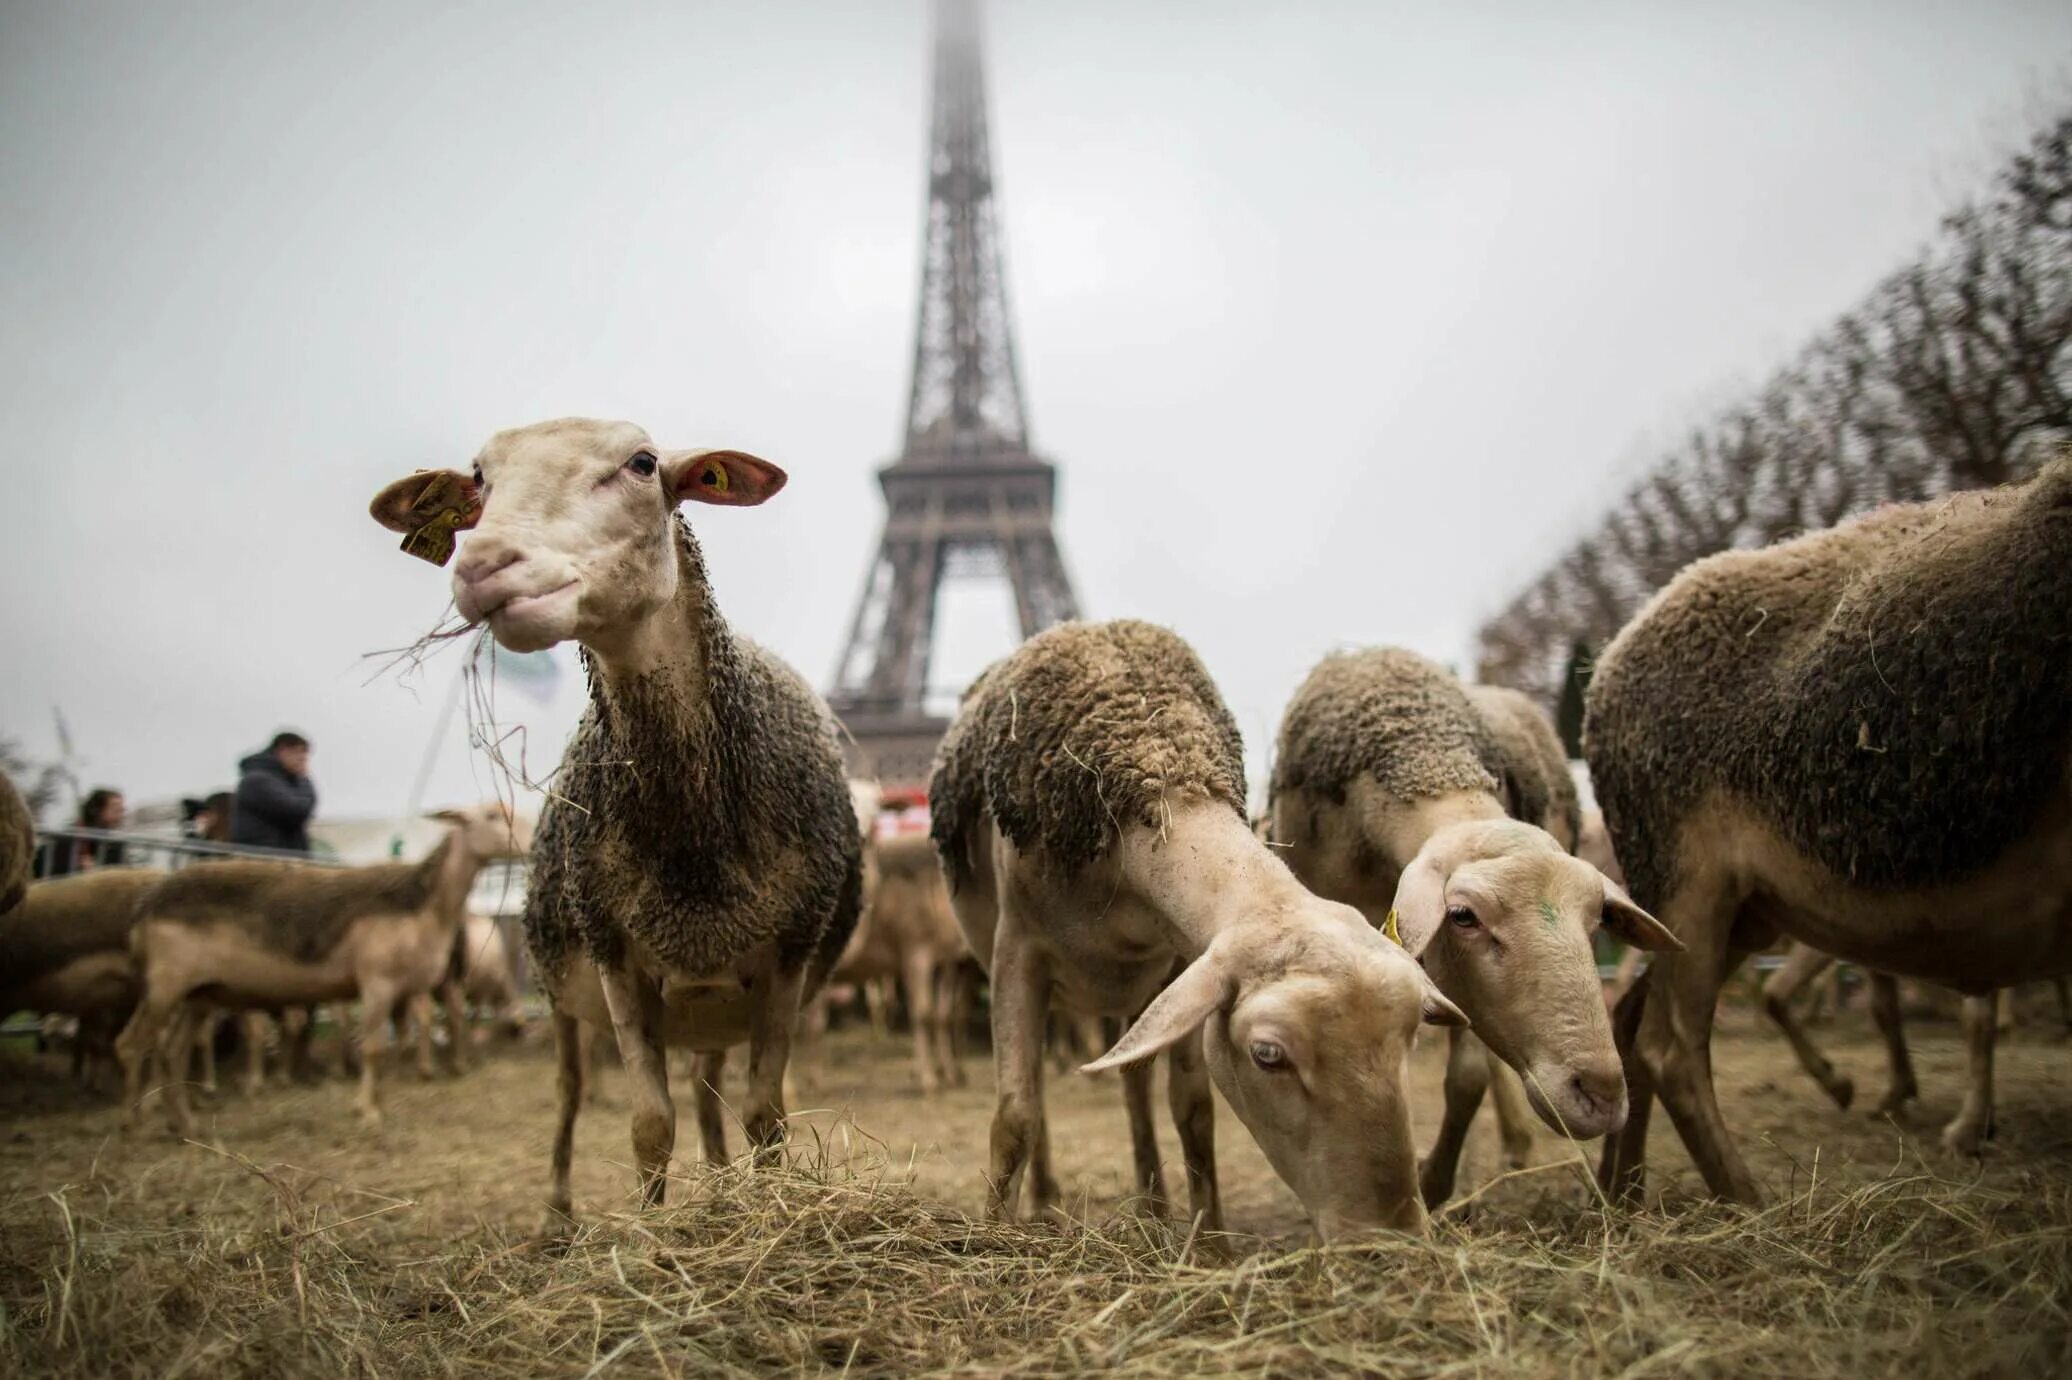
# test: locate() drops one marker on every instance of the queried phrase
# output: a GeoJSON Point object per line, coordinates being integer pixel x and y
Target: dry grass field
{"type": "Point", "coordinates": [292, 1242]}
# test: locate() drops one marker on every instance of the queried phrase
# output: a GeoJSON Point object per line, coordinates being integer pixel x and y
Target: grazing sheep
{"type": "Point", "coordinates": [1861, 738]}
{"type": "Point", "coordinates": [247, 934]}
{"type": "Point", "coordinates": [1449, 810]}
{"type": "Point", "coordinates": [17, 845]}
{"type": "Point", "coordinates": [698, 868]}
{"type": "Point", "coordinates": [908, 933]}
{"type": "Point", "coordinates": [1089, 808]}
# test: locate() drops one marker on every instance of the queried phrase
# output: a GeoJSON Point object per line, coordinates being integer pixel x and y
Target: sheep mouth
{"type": "Point", "coordinates": [1577, 1118]}
{"type": "Point", "coordinates": [532, 622]}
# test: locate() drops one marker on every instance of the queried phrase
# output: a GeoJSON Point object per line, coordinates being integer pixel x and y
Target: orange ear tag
{"type": "Point", "coordinates": [440, 510]}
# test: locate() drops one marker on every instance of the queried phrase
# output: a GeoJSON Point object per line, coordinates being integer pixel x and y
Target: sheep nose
{"type": "Point", "coordinates": [483, 557]}
{"type": "Point", "coordinates": [1601, 1087]}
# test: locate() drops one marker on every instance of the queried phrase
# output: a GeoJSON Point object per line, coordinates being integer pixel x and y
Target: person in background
{"type": "Point", "coordinates": [274, 796]}
{"type": "Point", "coordinates": [207, 820]}
{"type": "Point", "coordinates": [103, 808]}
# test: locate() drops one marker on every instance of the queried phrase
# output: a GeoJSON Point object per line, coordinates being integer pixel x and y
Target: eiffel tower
{"type": "Point", "coordinates": [967, 496]}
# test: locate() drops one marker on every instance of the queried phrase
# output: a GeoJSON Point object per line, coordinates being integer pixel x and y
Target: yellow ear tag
{"type": "Point", "coordinates": [715, 478]}
{"type": "Point", "coordinates": [1393, 930]}
{"type": "Point", "coordinates": [441, 508]}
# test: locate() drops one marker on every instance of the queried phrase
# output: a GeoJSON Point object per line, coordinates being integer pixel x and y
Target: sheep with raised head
{"type": "Point", "coordinates": [248, 934]}
{"type": "Point", "coordinates": [1861, 738]}
{"type": "Point", "coordinates": [698, 866]}
{"type": "Point", "coordinates": [1447, 812]}
{"type": "Point", "coordinates": [1089, 808]}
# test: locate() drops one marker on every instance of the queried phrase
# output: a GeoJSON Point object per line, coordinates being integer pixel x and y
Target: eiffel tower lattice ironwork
{"type": "Point", "coordinates": [967, 495]}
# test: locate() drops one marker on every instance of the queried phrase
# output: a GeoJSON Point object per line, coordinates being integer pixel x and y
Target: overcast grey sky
{"type": "Point", "coordinates": [1339, 318]}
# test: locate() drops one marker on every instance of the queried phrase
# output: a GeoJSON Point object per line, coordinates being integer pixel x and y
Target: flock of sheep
{"type": "Point", "coordinates": [1860, 739]}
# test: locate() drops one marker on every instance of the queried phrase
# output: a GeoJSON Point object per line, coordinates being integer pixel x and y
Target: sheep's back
{"type": "Point", "coordinates": [1081, 732]}
{"type": "Point", "coordinates": [69, 918]}
{"type": "Point", "coordinates": [1894, 694]}
{"type": "Point", "coordinates": [297, 910]}
{"type": "Point", "coordinates": [1388, 714]}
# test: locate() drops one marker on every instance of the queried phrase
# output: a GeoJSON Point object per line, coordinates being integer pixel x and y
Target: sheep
{"type": "Point", "coordinates": [17, 845]}
{"type": "Point", "coordinates": [250, 934]}
{"type": "Point", "coordinates": [699, 866]}
{"type": "Point", "coordinates": [908, 933]}
{"type": "Point", "coordinates": [64, 948]}
{"type": "Point", "coordinates": [1449, 811]}
{"type": "Point", "coordinates": [1859, 738]}
{"type": "Point", "coordinates": [1088, 806]}
{"type": "Point", "coordinates": [481, 976]}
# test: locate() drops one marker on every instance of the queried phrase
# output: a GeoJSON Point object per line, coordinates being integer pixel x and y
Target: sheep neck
{"type": "Point", "coordinates": [450, 869]}
{"type": "Point", "coordinates": [1206, 872]}
{"type": "Point", "coordinates": [1402, 828]}
{"type": "Point", "coordinates": [662, 654]}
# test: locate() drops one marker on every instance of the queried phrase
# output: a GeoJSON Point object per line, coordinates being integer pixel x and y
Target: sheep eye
{"type": "Point", "coordinates": [1268, 1055]}
{"type": "Point", "coordinates": [1462, 917]}
{"type": "Point", "coordinates": [642, 463]}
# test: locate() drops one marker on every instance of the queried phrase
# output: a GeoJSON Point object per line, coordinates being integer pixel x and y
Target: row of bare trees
{"type": "Point", "coordinates": [1954, 373]}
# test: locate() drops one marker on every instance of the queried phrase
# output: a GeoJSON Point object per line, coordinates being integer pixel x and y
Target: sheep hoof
{"type": "Point", "coordinates": [1963, 1138]}
{"type": "Point", "coordinates": [1842, 1090]}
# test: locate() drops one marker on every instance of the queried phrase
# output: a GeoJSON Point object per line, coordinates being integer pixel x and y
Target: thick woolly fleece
{"type": "Point", "coordinates": [702, 830]}
{"type": "Point", "coordinates": [1530, 761]}
{"type": "Point", "coordinates": [1410, 724]}
{"type": "Point", "coordinates": [292, 909]}
{"type": "Point", "coordinates": [1078, 734]}
{"type": "Point", "coordinates": [17, 845]}
{"type": "Point", "coordinates": [69, 918]}
{"type": "Point", "coordinates": [1894, 694]}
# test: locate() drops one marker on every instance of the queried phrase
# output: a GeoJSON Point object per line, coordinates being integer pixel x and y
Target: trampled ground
{"type": "Point", "coordinates": [296, 1242]}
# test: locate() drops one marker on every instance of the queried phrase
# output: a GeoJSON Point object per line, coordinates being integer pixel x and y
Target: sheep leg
{"type": "Point", "coordinates": [1801, 966]}
{"type": "Point", "coordinates": [919, 977]}
{"type": "Point", "coordinates": [421, 1017]}
{"type": "Point", "coordinates": [571, 1068]}
{"type": "Point", "coordinates": [769, 1055]}
{"type": "Point", "coordinates": [205, 1027]}
{"type": "Point", "coordinates": [1622, 1167]}
{"type": "Point", "coordinates": [299, 1025]}
{"type": "Point", "coordinates": [1021, 991]}
{"type": "Point", "coordinates": [176, 1046]}
{"type": "Point", "coordinates": [377, 1005]}
{"type": "Point", "coordinates": [1677, 1043]}
{"type": "Point", "coordinates": [1902, 1088]}
{"type": "Point", "coordinates": [638, 1016]}
{"type": "Point", "coordinates": [134, 1048]}
{"type": "Point", "coordinates": [2063, 987]}
{"type": "Point", "coordinates": [1044, 1192]}
{"type": "Point", "coordinates": [1974, 1122]}
{"type": "Point", "coordinates": [1193, 1107]}
{"type": "Point", "coordinates": [1513, 1114]}
{"type": "Point", "coordinates": [946, 989]}
{"type": "Point", "coordinates": [455, 1000]}
{"type": "Point", "coordinates": [252, 1030]}
{"type": "Point", "coordinates": [1467, 1078]}
{"type": "Point", "coordinates": [709, 1067]}
{"type": "Point", "coordinates": [1136, 1100]}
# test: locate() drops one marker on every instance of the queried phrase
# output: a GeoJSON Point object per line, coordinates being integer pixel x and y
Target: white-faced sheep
{"type": "Point", "coordinates": [249, 934]}
{"type": "Point", "coordinates": [1447, 812]}
{"type": "Point", "coordinates": [1861, 738]}
{"type": "Point", "coordinates": [698, 867]}
{"type": "Point", "coordinates": [1089, 807]}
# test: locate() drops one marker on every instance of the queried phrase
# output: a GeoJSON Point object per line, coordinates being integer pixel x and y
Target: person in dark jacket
{"type": "Point", "coordinates": [274, 796]}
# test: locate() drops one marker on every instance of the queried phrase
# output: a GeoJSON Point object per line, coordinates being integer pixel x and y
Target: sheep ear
{"type": "Point", "coordinates": [446, 816]}
{"type": "Point", "coordinates": [1629, 922]}
{"type": "Point", "coordinates": [1437, 1010]}
{"type": "Point", "coordinates": [1174, 1014]}
{"type": "Point", "coordinates": [422, 499]}
{"type": "Point", "coordinates": [1420, 903]}
{"type": "Point", "coordinates": [730, 478]}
